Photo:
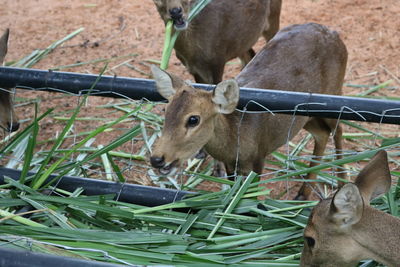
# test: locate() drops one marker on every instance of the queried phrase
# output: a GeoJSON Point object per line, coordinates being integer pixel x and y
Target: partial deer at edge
{"type": "Point", "coordinates": [345, 229]}
{"type": "Point", "coordinates": [223, 30]}
{"type": "Point", "coordinates": [304, 58]}
{"type": "Point", "coordinates": [8, 118]}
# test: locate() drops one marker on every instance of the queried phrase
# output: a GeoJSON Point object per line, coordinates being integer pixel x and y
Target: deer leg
{"type": "Point", "coordinates": [272, 27]}
{"type": "Point", "coordinates": [208, 73]}
{"type": "Point", "coordinates": [233, 169]}
{"type": "Point", "coordinates": [219, 169]}
{"type": "Point", "coordinates": [320, 131]}
{"type": "Point", "coordinates": [258, 166]}
{"type": "Point", "coordinates": [338, 132]}
{"type": "Point", "coordinates": [217, 71]}
{"type": "Point", "coordinates": [246, 57]}
{"type": "Point", "coordinates": [198, 78]}
{"type": "Point", "coordinates": [230, 171]}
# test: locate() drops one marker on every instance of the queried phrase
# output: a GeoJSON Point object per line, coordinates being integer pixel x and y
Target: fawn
{"type": "Point", "coordinates": [8, 118]}
{"type": "Point", "coordinates": [307, 58]}
{"type": "Point", "coordinates": [223, 30]}
{"type": "Point", "coordinates": [345, 229]}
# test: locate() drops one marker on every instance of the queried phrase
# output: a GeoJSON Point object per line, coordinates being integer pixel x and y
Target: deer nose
{"type": "Point", "coordinates": [13, 126]}
{"type": "Point", "coordinates": [157, 162]}
{"type": "Point", "coordinates": [176, 12]}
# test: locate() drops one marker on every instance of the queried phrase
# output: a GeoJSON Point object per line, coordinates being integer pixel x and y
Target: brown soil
{"type": "Point", "coordinates": [114, 28]}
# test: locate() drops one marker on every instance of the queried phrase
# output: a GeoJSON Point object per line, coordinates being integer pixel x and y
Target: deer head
{"type": "Point", "coordinates": [345, 229]}
{"type": "Point", "coordinates": [177, 10]}
{"type": "Point", "coordinates": [190, 118]}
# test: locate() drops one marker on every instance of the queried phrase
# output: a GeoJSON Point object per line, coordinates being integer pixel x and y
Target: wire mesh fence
{"type": "Point", "coordinates": [139, 97]}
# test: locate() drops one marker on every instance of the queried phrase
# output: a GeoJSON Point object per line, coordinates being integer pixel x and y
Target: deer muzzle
{"type": "Point", "coordinates": [177, 17]}
{"type": "Point", "coordinates": [163, 167]}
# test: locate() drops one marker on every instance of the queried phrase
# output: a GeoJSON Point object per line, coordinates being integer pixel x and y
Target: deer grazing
{"type": "Point", "coordinates": [306, 58]}
{"type": "Point", "coordinates": [345, 229]}
{"type": "Point", "coordinates": [223, 30]}
{"type": "Point", "coordinates": [8, 118]}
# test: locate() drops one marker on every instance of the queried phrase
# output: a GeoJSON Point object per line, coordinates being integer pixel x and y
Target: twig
{"type": "Point", "coordinates": [390, 74]}
{"type": "Point", "coordinates": [136, 69]}
{"type": "Point", "coordinates": [87, 43]}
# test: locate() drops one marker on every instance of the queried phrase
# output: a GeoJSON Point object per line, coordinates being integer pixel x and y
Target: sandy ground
{"type": "Point", "coordinates": [133, 30]}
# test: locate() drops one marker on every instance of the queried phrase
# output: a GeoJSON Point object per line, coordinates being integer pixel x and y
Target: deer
{"type": "Point", "coordinates": [345, 229]}
{"type": "Point", "coordinates": [305, 58]}
{"type": "Point", "coordinates": [8, 118]}
{"type": "Point", "coordinates": [223, 30]}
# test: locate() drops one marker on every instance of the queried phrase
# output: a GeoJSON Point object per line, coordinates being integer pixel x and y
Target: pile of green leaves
{"type": "Point", "coordinates": [229, 227]}
{"type": "Point", "coordinates": [214, 228]}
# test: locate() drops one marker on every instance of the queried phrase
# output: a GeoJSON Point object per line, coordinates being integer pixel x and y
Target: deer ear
{"type": "Point", "coordinates": [3, 45]}
{"type": "Point", "coordinates": [163, 82]}
{"type": "Point", "coordinates": [226, 96]}
{"type": "Point", "coordinates": [374, 180]}
{"type": "Point", "coordinates": [158, 3]}
{"type": "Point", "coordinates": [347, 206]}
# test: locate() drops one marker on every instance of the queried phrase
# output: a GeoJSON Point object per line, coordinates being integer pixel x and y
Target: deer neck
{"type": "Point", "coordinates": [225, 129]}
{"type": "Point", "coordinates": [225, 136]}
{"type": "Point", "coordinates": [380, 235]}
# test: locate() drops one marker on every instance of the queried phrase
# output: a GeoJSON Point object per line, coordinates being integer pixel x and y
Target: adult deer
{"type": "Point", "coordinates": [306, 58]}
{"type": "Point", "coordinates": [8, 118]}
{"type": "Point", "coordinates": [223, 30]}
{"type": "Point", "coordinates": [345, 229]}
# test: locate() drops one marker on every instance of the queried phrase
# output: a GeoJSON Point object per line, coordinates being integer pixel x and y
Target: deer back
{"type": "Point", "coordinates": [300, 58]}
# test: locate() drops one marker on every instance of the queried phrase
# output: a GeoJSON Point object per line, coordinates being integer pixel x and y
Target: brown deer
{"type": "Point", "coordinates": [306, 58]}
{"type": "Point", "coordinates": [345, 229]}
{"type": "Point", "coordinates": [8, 118]}
{"type": "Point", "coordinates": [223, 30]}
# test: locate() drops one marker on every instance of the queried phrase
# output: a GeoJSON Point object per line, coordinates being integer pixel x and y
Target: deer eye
{"type": "Point", "coordinates": [193, 121]}
{"type": "Point", "coordinates": [310, 241]}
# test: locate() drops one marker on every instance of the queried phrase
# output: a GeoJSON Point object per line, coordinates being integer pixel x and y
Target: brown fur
{"type": "Point", "coordinates": [224, 29]}
{"type": "Point", "coordinates": [345, 229]}
{"type": "Point", "coordinates": [8, 118]}
{"type": "Point", "coordinates": [305, 58]}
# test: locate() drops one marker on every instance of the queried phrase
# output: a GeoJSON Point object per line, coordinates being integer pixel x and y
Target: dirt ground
{"type": "Point", "coordinates": [116, 28]}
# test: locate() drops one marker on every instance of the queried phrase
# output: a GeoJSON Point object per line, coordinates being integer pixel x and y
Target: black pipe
{"type": "Point", "coordinates": [350, 108]}
{"type": "Point", "coordinates": [23, 258]}
{"type": "Point", "coordinates": [136, 194]}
